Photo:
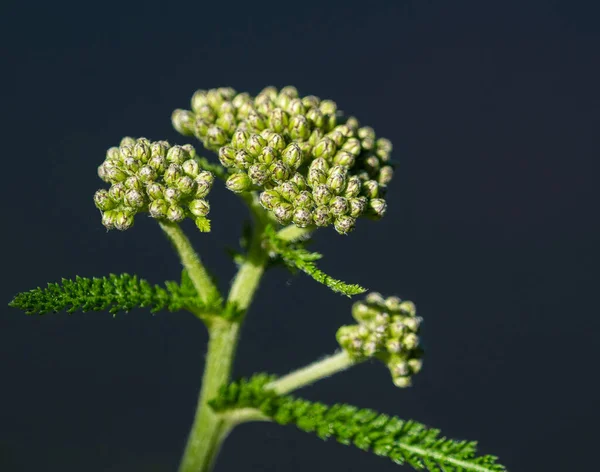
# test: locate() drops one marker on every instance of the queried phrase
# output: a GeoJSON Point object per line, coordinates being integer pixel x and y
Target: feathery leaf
{"type": "Point", "coordinates": [113, 293]}
{"type": "Point", "coordinates": [296, 256]}
{"type": "Point", "coordinates": [404, 442]}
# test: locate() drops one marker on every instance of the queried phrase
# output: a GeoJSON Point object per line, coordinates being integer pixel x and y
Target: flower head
{"type": "Point", "coordinates": [387, 329]}
{"type": "Point", "coordinates": [152, 177]}
{"type": "Point", "coordinates": [310, 165]}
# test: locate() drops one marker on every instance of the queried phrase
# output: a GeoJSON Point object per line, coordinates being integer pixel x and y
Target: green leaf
{"type": "Point", "coordinates": [296, 256]}
{"type": "Point", "coordinates": [404, 442]}
{"type": "Point", "coordinates": [113, 293]}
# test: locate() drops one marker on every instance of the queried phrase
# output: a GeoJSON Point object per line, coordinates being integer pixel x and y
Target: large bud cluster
{"type": "Point", "coordinates": [154, 177]}
{"type": "Point", "coordinates": [309, 168]}
{"type": "Point", "coordinates": [388, 330]}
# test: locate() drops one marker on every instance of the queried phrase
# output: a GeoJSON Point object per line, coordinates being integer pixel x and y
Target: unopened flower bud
{"type": "Point", "coordinates": [227, 122]}
{"type": "Point", "coordinates": [239, 183]}
{"type": "Point", "coordinates": [117, 192]}
{"type": "Point", "coordinates": [259, 174]}
{"type": "Point", "coordinates": [325, 148]}
{"type": "Point", "coordinates": [268, 155]}
{"type": "Point", "coordinates": [288, 190]}
{"type": "Point", "coordinates": [353, 187]}
{"type": "Point", "coordinates": [176, 155]}
{"type": "Point", "coordinates": [173, 174]}
{"type": "Point", "coordinates": [155, 191]}
{"type": "Point", "coordinates": [357, 206]}
{"type": "Point", "coordinates": [410, 341]}
{"type": "Point", "coordinates": [256, 122]}
{"type": "Point", "coordinates": [278, 120]}
{"type": "Point", "coordinates": [299, 127]}
{"type": "Point", "coordinates": [378, 207]}
{"type": "Point", "coordinates": [269, 199]}
{"type": "Point", "coordinates": [344, 224]}
{"type": "Point", "coordinates": [316, 177]}
{"type": "Point", "coordinates": [279, 171]}
{"type": "Point", "coordinates": [146, 174]}
{"type": "Point", "coordinates": [186, 185]}
{"type": "Point", "coordinates": [311, 101]}
{"type": "Point", "coordinates": [283, 212]}
{"type": "Point", "coordinates": [199, 99]}
{"type": "Point", "coordinates": [175, 213]}
{"type": "Point", "coordinates": [127, 141]}
{"type": "Point", "coordinates": [238, 141]}
{"type": "Point", "coordinates": [352, 146]}
{"type": "Point", "coordinates": [114, 174]}
{"type": "Point", "coordinates": [191, 167]}
{"type": "Point", "coordinates": [134, 199]}
{"type": "Point", "coordinates": [321, 216]}
{"type": "Point", "coordinates": [142, 151]}
{"type": "Point", "coordinates": [339, 206]}
{"type": "Point", "coordinates": [328, 107]}
{"type": "Point", "coordinates": [296, 107]}
{"type": "Point", "coordinates": [370, 188]}
{"type": "Point", "coordinates": [108, 219]}
{"type": "Point", "coordinates": [299, 180]}
{"type": "Point", "coordinates": [227, 156]}
{"type": "Point", "coordinates": [199, 207]}
{"type": "Point", "coordinates": [243, 159]}
{"type": "Point", "coordinates": [304, 200]}
{"type": "Point", "coordinates": [172, 195]}
{"type": "Point", "coordinates": [289, 91]}
{"type": "Point", "coordinates": [315, 116]}
{"type": "Point", "coordinates": [183, 122]}
{"type": "Point", "coordinates": [385, 175]}
{"type": "Point", "coordinates": [255, 145]}
{"type": "Point", "coordinates": [302, 217]}
{"type": "Point", "coordinates": [123, 220]}
{"type": "Point", "coordinates": [158, 163]}
{"type": "Point", "coordinates": [293, 156]}
{"type": "Point", "coordinates": [103, 201]}
{"type": "Point", "coordinates": [337, 179]}
{"type": "Point", "coordinates": [215, 137]}
{"type": "Point", "coordinates": [133, 183]}
{"type": "Point", "coordinates": [277, 142]}
{"type": "Point", "coordinates": [321, 164]}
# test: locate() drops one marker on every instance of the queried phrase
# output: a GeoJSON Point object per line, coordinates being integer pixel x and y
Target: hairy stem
{"type": "Point", "coordinates": [209, 429]}
{"type": "Point", "coordinates": [293, 233]}
{"type": "Point", "coordinates": [316, 371]}
{"type": "Point", "coordinates": [207, 435]}
{"type": "Point", "coordinates": [207, 291]}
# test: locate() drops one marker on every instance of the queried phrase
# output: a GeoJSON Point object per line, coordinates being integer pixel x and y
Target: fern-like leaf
{"type": "Point", "coordinates": [296, 256]}
{"type": "Point", "coordinates": [404, 442]}
{"type": "Point", "coordinates": [113, 293]}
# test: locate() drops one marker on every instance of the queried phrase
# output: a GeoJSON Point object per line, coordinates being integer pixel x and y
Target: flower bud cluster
{"type": "Point", "coordinates": [309, 168]}
{"type": "Point", "coordinates": [152, 177]}
{"type": "Point", "coordinates": [388, 330]}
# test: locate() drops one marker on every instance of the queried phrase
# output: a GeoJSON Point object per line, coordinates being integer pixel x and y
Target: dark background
{"type": "Point", "coordinates": [492, 229]}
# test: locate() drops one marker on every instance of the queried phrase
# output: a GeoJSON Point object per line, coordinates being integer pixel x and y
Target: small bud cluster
{"type": "Point", "coordinates": [309, 169]}
{"type": "Point", "coordinates": [152, 177]}
{"type": "Point", "coordinates": [387, 329]}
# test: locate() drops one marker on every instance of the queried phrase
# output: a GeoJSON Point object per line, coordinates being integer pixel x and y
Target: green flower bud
{"type": "Point", "coordinates": [191, 167]}
{"type": "Point", "coordinates": [378, 207]}
{"type": "Point", "coordinates": [339, 206]}
{"type": "Point", "coordinates": [215, 137]}
{"type": "Point", "coordinates": [255, 145]}
{"type": "Point", "coordinates": [357, 206]}
{"type": "Point", "coordinates": [385, 175]}
{"type": "Point", "coordinates": [158, 209]}
{"type": "Point", "coordinates": [146, 174]}
{"type": "Point", "coordinates": [322, 194]}
{"type": "Point", "coordinates": [199, 99]}
{"type": "Point", "coordinates": [199, 207]}
{"type": "Point", "coordinates": [186, 185]}
{"type": "Point", "coordinates": [277, 142]}
{"type": "Point", "coordinates": [384, 147]}
{"type": "Point", "coordinates": [158, 149]}
{"type": "Point", "coordinates": [158, 163]}
{"type": "Point", "coordinates": [278, 120]}
{"type": "Point", "coordinates": [337, 179]}
{"type": "Point", "coordinates": [410, 341]}
{"type": "Point", "coordinates": [370, 188]}
{"type": "Point", "coordinates": [227, 156]}
{"type": "Point", "coordinates": [415, 365]}
{"type": "Point", "coordinates": [337, 137]}
{"type": "Point", "coordinates": [352, 146]}
{"type": "Point", "coordinates": [344, 224]}
{"type": "Point", "coordinates": [155, 191]}
{"type": "Point", "coordinates": [316, 177]}
{"type": "Point", "coordinates": [117, 192]}
{"type": "Point", "coordinates": [256, 122]}
{"type": "Point", "coordinates": [393, 346]}
{"type": "Point", "coordinates": [206, 113]}
{"type": "Point", "coordinates": [176, 155]}
{"type": "Point", "coordinates": [131, 165]}
{"type": "Point", "coordinates": [299, 127]}
{"type": "Point", "coordinates": [172, 195]}
{"type": "Point", "coordinates": [133, 183]}
{"type": "Point", "coordinates": [259, 174]}
{"type": "Point", "coordinates": [328, 107]}
{"type": "Point", "coordinates": [103, 201]}
{"type": "Point", "coordinates": [102, 173]}
{"type": "Point", "coordinates": [127, 141]}
{"type": "Point", "coordinates": [173, 173]}
{"type": "Point", "coordinates": [205, 176]}
{"type": "Point", "coordinates": [315, 116]}
{"type": "Point", "coordinates": [239, 139]}
{"type": "Point", "coordinates": [241, 99]}
{"type": "Point", "coordinates": [183, 122]}
{"type": "Point", "coordinates": [321, 216]}
{"type": "Point", "coordinates": [114, 174]}
{"type": "Point", "coordinates": [227, 122]}
{"type": "Point", "coordinates": [283, 212]}
{"type": "Point", "coordinates": [200, 128]}
{"type": "Point", "coordinates": [353, 187]}
{"type": "Point", "coordinates": [302, 217]}
{"type": "Point", "coordinates": [239, 183]}
{"type": "Point", "coordinates": [299, 180]}
{"type": "Point", "coordinates": [344, 158]}
{"type": "Point", "coordinates": [142, 151]}
{"type": "Point", "coordinates": [134, 199]}
{"type": "Point", "coordinates": [268, 155]}
{"type": "Point", "coordinates": [289, 91]}
{"type": "Point", "coordinates": [292, 156]}
{"type": "Point", "coordinates": [321, 164]}
{"type": "Point", "coordinates": [269, 199]}
{"type": "Point", "coordinates": [279, 171]}
{"type": "Point", "coordinates": [113, 154]}
{"type": "Point", "coordinates": [108, 219]}
{"type": "Point", "coordinates": [325, 148]}
{"type": "Point", "coordinates": [288, 190]}
{"type": "Point", "coordinates": [304, 200]}
{"type": "Point", "coordinates": [310, 101]}
{"type": "Point", "coordinates": [371, 164]}
{"type": "Point", "coordinates": [123, 220]}
{"type": "Point", "coordinates": [175, 213]}
{"type": "Point", "coordinates": [296, 107]}
{"type": "Point", "coordinates": [243, 160]}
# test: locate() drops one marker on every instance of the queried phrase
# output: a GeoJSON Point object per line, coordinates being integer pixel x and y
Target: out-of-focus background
{"type": "Point", "coordinates": [492, 229]}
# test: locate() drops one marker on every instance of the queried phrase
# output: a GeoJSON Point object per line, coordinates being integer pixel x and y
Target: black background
{"type": "Point", "coordinates": [492, 229]}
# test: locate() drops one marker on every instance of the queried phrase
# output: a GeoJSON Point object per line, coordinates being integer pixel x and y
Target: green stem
{"type": "Point", "coordinates": [311, 373]}
{"type": "Point", "coordinates": [293, 233]}
{"type": "Point", "coordinates": [207, 291]}
{"type": "Point", "coordinates": [208, 429]}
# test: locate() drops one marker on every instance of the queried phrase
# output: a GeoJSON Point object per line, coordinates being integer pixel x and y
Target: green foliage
{"type": "Point", "coordinates": [113, 293]}
{"type": "Point", "coordinates": [296, 256]}
{"type": "Point", "coordinates": [404, 442]}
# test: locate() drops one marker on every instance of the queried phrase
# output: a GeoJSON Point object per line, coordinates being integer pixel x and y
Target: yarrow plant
{"type": "Point", "coordinates": [299, 164]}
